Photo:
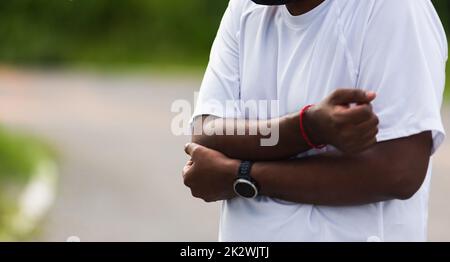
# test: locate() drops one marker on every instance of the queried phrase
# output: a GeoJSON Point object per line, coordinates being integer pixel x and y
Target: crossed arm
{"type": "Point", "coordinates": [389, 170]}
{"type": "Point", "coordinates": [382, 171]}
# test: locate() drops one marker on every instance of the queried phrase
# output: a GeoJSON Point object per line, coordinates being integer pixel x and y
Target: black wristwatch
{"type": "Point", "coordinates": [245, 186]}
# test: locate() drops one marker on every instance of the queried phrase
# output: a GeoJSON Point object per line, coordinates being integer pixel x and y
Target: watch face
{"type": "Point", "coordinates": [245, 188]}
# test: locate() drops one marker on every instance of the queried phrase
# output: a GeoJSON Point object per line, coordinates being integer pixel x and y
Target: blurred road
{"type": "Point", "coordinates": [120, 163]}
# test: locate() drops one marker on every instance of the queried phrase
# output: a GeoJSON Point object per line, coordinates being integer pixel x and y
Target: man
{"type": "Point", "coordinates": [368, 78]}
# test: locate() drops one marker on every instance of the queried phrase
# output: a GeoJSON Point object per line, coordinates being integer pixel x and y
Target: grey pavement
{"type": "Point", "coordinates": [119, 162]}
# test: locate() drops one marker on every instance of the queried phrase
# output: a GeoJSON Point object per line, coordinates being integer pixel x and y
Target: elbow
{"type": "Point", "coordinates": [406, 190]}
{"type": "Point", "coordinates": [407, 182]}
{"type": "Point", "coordinates": [403, 165]}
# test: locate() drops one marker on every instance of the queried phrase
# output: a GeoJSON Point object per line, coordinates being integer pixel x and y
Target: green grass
{"type": "Point", "coordinates": [19, 156]}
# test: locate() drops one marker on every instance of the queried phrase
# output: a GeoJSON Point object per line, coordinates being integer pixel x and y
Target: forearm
{"type": "Point", "coordinates": [332, 122]}
{"type": "Point", "coordinates": [382, 173]}
{"type": "Point", "coordinates": [250, 141]}
{"type": "Point", "coordinates": [330, 180]}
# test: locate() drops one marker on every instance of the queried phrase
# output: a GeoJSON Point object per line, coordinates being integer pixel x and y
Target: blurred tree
{"type": "Point", "coordinates": [55, 32]}
{"type": "Point", "coordinates": [443, 8]}
{"type": "Point", "coordinates": [107, 31]}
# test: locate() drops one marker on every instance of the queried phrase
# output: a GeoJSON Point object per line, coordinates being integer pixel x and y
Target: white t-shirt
{"type": "Point", "coordinates": [396, 48]}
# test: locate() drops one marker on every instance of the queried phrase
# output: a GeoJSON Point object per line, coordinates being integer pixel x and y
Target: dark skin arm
{"type": "Point", "coordinates": [333, 121]}
{"type": "Point", "coordinates": [247, 146]}
{"type": "Point", "coordinates": [390, 170]}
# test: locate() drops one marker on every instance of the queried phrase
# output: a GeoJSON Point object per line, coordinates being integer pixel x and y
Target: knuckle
{"type": "Point", "coordinates": [377, 121]}
{"type": "Point", "coordinates": [337, 120]}
{"type": "Point", "coordinates": [337, 93]}
{"type": "Point", "coordinates": [186, 182]}
{"type": "Point", "coordinates": [367, 111]}
{"type": "Point", "coordinates": [370, 142]}
{"type": "Point", "coordinates": [195, 151]}
{"type": "Point", "coordinates": [355, 94]}
{"type": "Point", "coordinates": [375, 132]}
{"type": "Point", "coordinates": [372, 132]}
{"type": "Point", "coordinates": [195, 194]}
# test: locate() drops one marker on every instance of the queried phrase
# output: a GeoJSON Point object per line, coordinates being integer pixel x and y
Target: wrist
{"type": "Point", "coordinates": [231, 170]}
{"type": "Point", "coordinates": [311, 123]}
{"type": "Point", "coordinates": [264, 178]}
{"type": "Point", "coordinates": [228, 174]}
{"type": "Point", "coordinates": [290, 131]}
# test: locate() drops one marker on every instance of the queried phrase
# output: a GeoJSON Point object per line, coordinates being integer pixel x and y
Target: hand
{"type": "Point", "coordinates": [209, 174]}
{"type": "Point", "coordinates": [345, 120]}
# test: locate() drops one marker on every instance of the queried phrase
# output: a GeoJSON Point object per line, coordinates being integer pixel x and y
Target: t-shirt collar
{"type": "Point", "coordinates": [304, 20]}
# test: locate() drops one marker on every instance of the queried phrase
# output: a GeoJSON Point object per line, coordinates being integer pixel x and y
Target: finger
{"type": "Point", "coordinates": [368, 125]}
{"type": "Point", "coordinates": [357, 114]}
{"type": "Point", "coordinates": [363, 139]}
{"type": "Point", "coordinates": [190, 148]}
{"type": "Point", "coordinates": [368, 144]}
{"type": "Point", "coordinates": [371, 96]}
{"type": "Point", "coordinates": [189, 163]}
{"type": "Point", "coordinates": [187, 168]}
{"type": "Point", "coordinates": [349, 96]}
{"type": "Point", "coordinates": [371, 134]}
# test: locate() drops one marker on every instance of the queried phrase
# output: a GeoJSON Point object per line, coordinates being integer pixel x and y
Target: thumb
{"type": "Point", "coordinates": [190, 148]}
{"type": "Point", "coordinates": [349, 96]}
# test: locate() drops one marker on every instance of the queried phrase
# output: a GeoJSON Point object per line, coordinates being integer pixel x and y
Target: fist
{"type": "Point", "coordinates": [209, 174]}
{"type": "Point", "coordinates": [345, 120]}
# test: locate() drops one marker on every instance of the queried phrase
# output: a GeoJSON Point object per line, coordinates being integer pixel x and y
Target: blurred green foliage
{"type": "Point", "coordinates": [19, 156]}
{"type": "Point", "coordinates": [22, 159]}
{"type": "Point", "coordinates": [61, 32]}
{"type": "Point", "coordinates": [109, 33]}
{"type": "Point", "coordinates": [443, 8]}
{"type": "Point", "coordinates": [116, 33]}
{"type": "Point", "coordinates": [55, 32]}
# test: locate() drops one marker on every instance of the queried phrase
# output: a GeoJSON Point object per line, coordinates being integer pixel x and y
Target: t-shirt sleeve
{"type": "Point", "coordinates": [403, 61]}
{"type": "Point", "coordinates": [220, 89]}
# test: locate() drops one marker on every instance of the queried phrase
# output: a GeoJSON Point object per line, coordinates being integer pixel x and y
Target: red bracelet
{"type": "Point", "coordinates": [303, 131]}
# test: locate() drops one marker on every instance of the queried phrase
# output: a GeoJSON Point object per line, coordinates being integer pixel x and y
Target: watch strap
{"type": "Point", "coordinates": [245, 171]}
